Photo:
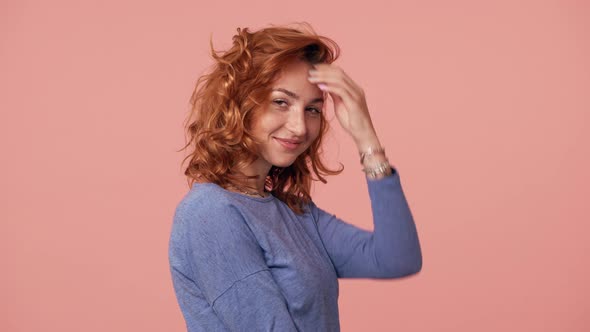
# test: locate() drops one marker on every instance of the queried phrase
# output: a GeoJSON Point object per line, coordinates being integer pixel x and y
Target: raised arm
{"type": "Point", "coordinates": [228, 267]}
{"type": "Point", "coordinates": [391, 250]}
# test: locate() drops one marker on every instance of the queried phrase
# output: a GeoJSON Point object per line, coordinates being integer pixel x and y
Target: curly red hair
{"type": "Point", "coordinates": [226, 100]}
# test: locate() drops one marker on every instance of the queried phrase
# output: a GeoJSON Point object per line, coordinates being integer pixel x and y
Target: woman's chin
{"type": "Point", "coordinates": [283, 163]}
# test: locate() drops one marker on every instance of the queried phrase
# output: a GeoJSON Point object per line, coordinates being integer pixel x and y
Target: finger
{"type": "Point", "coordinates": [325, 69]}
{"type": "Point", "coordinates": [341, 93]}
{"type": "Point", "coordinates": [344, 87]}
{"type": "Point", "coordinates": [336, 100]}
{"type": "Point", "coordinates": [336, 78]}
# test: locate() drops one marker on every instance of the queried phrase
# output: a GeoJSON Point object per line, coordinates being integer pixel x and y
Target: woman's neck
{"type": "Point", "coordinates": [256, 184]}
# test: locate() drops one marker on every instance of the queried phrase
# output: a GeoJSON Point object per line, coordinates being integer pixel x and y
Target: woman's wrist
{"type": "Point", "coordinates": [367, 140]}
{"type": "Point", "coordinates": [377, 166]}
{"type": "Point", "coordinates": [372, 157]}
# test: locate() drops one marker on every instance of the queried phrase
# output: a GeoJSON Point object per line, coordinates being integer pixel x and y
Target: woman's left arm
{"type": "Point", "coordinates": [392, 249]}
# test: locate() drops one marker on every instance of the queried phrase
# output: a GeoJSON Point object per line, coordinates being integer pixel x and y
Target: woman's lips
{"type": "Point", "coordinates": [289, 145]}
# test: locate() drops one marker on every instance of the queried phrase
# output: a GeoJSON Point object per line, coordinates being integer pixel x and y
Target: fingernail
{"type": "Point", "coordinates": [322, 86]}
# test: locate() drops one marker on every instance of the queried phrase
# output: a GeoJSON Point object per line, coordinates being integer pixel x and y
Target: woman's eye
{"type": "Point", "coordinates": [281, 102]}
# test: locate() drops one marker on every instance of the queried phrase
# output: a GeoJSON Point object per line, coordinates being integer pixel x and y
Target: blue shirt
{"type": "Point", "coordinates": [244, 263]}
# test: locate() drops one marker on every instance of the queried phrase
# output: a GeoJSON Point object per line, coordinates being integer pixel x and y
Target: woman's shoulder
{"type": "Point", "coordinates": [207, 212]}
{"type": "Point", "coordinates": [204, 190]}
{"type": "Point", "coordinates": [203, 197]}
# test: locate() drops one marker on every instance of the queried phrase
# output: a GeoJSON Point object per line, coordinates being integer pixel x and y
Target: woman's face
{"type": "Point", "coordinates": [291, 119]}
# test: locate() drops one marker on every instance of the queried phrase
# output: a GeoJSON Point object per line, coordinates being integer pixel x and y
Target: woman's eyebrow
{"type": "Point", "coordinates": [294, 95]}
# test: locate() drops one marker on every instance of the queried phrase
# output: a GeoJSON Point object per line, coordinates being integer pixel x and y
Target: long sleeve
{"type": "Point", "coordinates": [228, 267]}
{"type": "Point", "coordinates": [391, 250]}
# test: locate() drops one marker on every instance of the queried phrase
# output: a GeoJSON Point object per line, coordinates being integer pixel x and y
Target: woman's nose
{"type": "Point", "coordinates": [296, 122]}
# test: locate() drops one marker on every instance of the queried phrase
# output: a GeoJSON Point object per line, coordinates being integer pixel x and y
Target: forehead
{"type": "Point", "coordinates": [292, 80]}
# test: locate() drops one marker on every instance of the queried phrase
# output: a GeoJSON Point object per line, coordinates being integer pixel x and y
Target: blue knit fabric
{"type": "Point", "coordinates": [243, 263]}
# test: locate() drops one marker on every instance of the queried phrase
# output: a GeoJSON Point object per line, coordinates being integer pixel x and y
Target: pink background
{"type": "Point", "coordinates": [483, 107]}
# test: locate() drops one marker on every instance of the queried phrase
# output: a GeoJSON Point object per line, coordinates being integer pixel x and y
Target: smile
{"type": "Point", "coordinates": [287, 144]}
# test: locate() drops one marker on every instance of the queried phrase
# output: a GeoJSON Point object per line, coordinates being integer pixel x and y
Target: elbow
{"type": "Point", "coordinates": [412, 268]}
{"type": "Point", "coordinates": [416, 263]}
{"type": "Point", "coordinates": [408, 268]}
{"type": "Point", "coordinates": [416, 267]}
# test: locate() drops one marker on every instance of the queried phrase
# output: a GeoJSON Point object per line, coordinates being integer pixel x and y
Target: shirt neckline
{"type": "Point", "coordinates": [268, 198]}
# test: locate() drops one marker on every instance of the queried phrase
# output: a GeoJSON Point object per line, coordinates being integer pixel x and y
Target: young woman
{"type": "Point", "coordinates": [249, 249]}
